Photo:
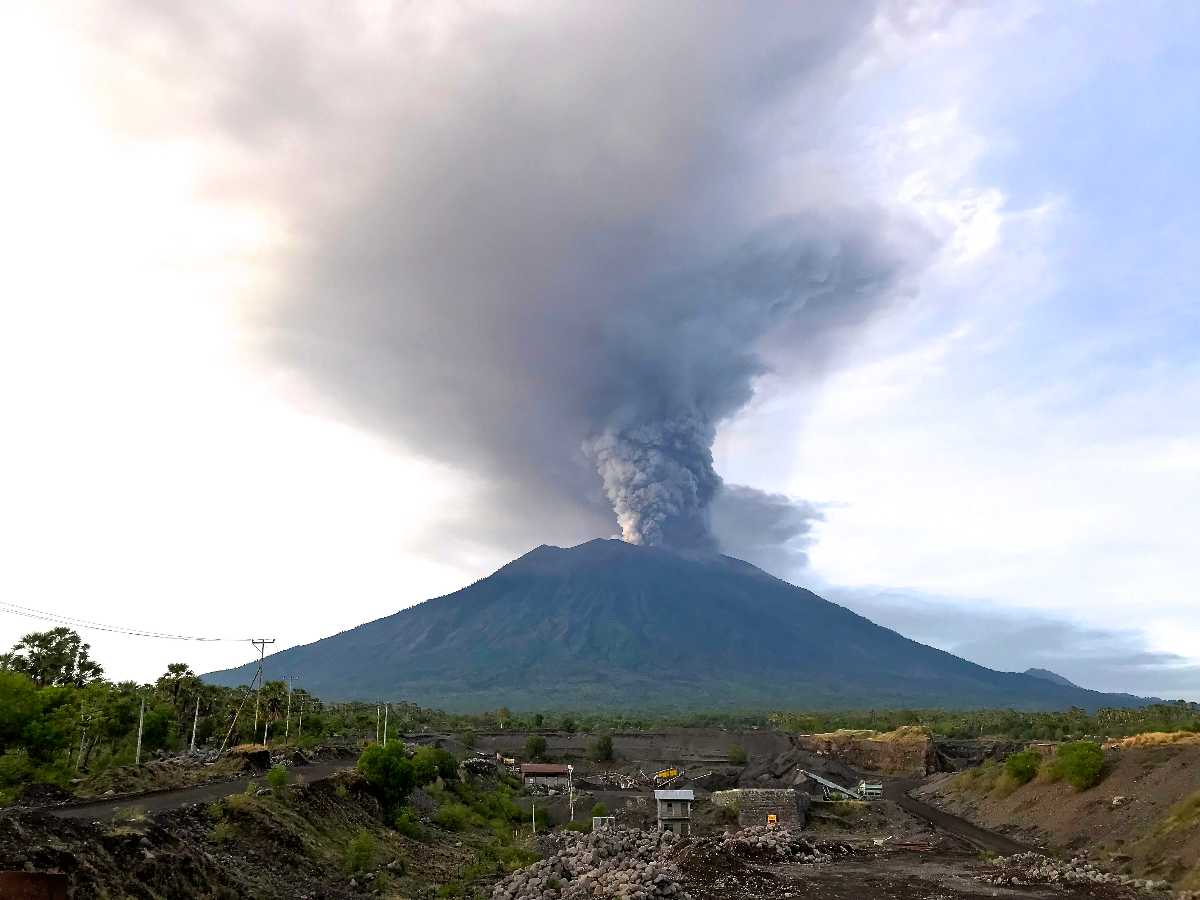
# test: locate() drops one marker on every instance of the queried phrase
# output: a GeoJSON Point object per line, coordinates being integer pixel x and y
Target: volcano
{"type": "Point", "coordinates": [613, 625]}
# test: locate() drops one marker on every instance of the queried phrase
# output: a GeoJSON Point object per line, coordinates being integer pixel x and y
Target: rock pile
{"type": "Point", "coordinates": [1034, 868]}
{"type": "Point", "coordinates": [611, 862]}
{"type": "Point", "coordinates": [781, 844]}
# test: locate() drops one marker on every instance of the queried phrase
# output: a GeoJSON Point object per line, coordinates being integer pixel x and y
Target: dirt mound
{"type": "Point", "coordinates": [242, 847]}
{"type": "Point", "coordinates": [909, 750]}
{"type": "Point", "coordinates": [41, 794]}
{"type": "Point", "coordinates": [1142, 819]}
{"type": "Point", "coordinates": [171, 772]}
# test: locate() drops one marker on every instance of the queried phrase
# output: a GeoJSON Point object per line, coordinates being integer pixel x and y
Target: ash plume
{"type": "Point", "coordinates": [553, 250]}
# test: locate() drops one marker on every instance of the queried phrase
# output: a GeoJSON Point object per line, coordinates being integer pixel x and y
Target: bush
{"type": "Point", "coordinates": [431, 762]}
{"type": "Point", "coordinates": [278, 779]}
{"type": "Point", "coordinates": [222, 833]}
{"type": "Point", "coordinates": [737, 756]}
{"type": "Point", "coordinates": [568, 725]}
{"type": "Point", "coordinates": [406, 823]}
{"type": "Point", "coordinates": [602, 749]}
{"type": "Point", "coordinates": [361, 852]}
{"type": "Point", "coordinates": [1022, 767]}
{"type": "Point", "coordinates": [599, 810]}
{"type": "Point", "coordinates": [535, 746]}
{"type": "Point", "coordinates": [389, 773]}
{"type": "Point", "coordinates": [1079, 763]}
{"type": "Point", "coordinates": [452, 816]}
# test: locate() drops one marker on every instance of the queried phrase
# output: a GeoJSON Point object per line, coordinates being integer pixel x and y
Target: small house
{"type": "Point", "coordinates": [675, 811]}
{"type": "Point", "coordinates": [548, 775]}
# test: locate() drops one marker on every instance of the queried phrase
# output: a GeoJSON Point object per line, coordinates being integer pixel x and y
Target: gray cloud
{"type": "Point", "coordinates": [549, 248]}
{"type": "Point", "coordinates": [772, 531]}
{"type": "Point", "coordinates": [1015, 640]}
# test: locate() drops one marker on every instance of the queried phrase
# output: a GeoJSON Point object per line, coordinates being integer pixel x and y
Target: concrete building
{"type": "Point", "coordinates": [675, 811]}
{"type": "Point", "coordinates": [549, 775]}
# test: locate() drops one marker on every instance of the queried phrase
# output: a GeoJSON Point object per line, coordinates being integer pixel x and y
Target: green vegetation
{"type": "Point", "coordinates": [737, 755]}
{"type": "Point", "coordinates": [453, 816]}
{"type": "Point", "coordinates": [431, 763]}
{"type": "Point", "coordinates": [389, 772]}
{"type": "Point", "coordinates": [535, 746]}
{"type": "Point", "coordinates": [599, 810]}
{"type": "Point", "coordinates": [361, 853]}
{"type": "Point", "coordinates": [602, 749]}
{"type": "Point", "coordinates": [1023, 767]}
{"type": "Point", "coordinates": [406, 823]}
{"type": "Point", "coordinates": [278, 779]}
{"type": "Point", "coordinates": [1079, 763]}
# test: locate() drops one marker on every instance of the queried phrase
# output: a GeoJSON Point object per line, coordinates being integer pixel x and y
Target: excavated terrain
{"type": "Point", "coordinates": [1142, 819]}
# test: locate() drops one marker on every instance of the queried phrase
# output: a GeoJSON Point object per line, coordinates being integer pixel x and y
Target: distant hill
{"type": "Point", "coordinates": [612, 625]}
{"type": "Point", "coordinates": [1047, 675]}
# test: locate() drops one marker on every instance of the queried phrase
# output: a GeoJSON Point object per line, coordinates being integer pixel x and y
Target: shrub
{"type": "Point", "coordinates": [222, 833]}
{"type": "Point", "coordinates": [737, 755]}
{"type": "Point", "coordinates": [1022, 767]}
{"type": "Point", "coordinates": [431, 762]}
{"type": "Point", "coordinates": [535, 746]}
{"type": "Point", "coordinates": [406, 823]}
{"type": "Point", "coordinates": [389, 773]}
{"type": "Point", "coordinates": [568, 725]}
{"type": "Point", "coordinates": [278, 779]}
{"type": "Point", "coordinates": [602, 749]}
{"type": "Point", "coordinates": [361, 852]}
{"type": "Point", "coordinates": [452, 816]}
{"type": "Point", "coordinates": [1079, 763]}
{"type": "Point", "coordinates": [599, 810]}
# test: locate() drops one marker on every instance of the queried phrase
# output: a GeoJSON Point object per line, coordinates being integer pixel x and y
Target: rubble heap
{"type": "Point", "coordinates": [783, 844]}
{"type": "Point", "coordinates": [1034, 868]}
{"type": "Point", "coordinates": [611, 862]}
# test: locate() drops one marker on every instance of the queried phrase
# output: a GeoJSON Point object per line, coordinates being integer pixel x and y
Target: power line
{"type": "Point", "coordinates": [76, 622]}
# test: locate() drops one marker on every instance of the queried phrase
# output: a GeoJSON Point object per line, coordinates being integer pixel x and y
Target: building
{"type": "Point", "coordinates": [783, 807]}
{"type": "Point", "coordinates": [675, 811]}
{"type": "Point", "coordinates": [548, 775]}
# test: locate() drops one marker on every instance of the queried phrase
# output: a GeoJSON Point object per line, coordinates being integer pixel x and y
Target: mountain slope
{"type": "Point", "coordinates": [609, 624]}
{"type": "Point", "coordinates": [1047, 675]}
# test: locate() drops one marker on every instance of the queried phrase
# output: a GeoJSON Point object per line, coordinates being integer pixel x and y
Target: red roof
{"type": "Point", "coordinates": [543, 769]}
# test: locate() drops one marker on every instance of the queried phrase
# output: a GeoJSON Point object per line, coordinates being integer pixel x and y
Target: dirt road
{"type": "Point", "coordinates": [158, 801]}
{"type": "Point", "coordinates": [977, 837]}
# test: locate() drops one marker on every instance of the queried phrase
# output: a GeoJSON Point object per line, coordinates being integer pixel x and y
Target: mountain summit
{"type": "Point", "coordinates": [611, 624]}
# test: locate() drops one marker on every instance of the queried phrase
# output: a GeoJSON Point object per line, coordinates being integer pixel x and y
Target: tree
{"type": "Point", "coordinates": [179, 680]}
{"type": "Point", "coordinates": [568, 725]}
{"type": "Point", "coordinates": [54, 658]}
{"type": "Point", "coordinates": [539, 720]}
{"type": "Point", "coordinates": [503, 716]}
{"type": "Point", "coordinates": [535, 746]}
{"type": "Point", "coordinates": [389, 773]}
{"type": "Point", "coordinates": [602, 749]}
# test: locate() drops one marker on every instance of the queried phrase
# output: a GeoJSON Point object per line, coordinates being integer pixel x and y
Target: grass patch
{"type": "Point", "coordinates": [1156, 739]}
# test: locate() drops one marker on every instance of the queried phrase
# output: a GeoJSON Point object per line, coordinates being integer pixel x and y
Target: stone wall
{"type": "Point", "coordinates": [755, 804]}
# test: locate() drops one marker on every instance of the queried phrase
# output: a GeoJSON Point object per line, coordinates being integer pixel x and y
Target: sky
{"type": "Point", "coordinates": [312, 313]}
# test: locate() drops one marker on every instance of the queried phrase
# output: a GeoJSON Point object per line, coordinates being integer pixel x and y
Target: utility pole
{"type": "Point", "coordinates": [287, 721]}
{"type": "Point", "coordinates": [300, 724]}
{"type": "Point", "coordinates": [137, 757]}
{"type": "Point", "coordinates": [385, 717]}
{"type": "Point", "coordinates": [266, 728]}
{"type": "Point", "coordinates": [195, 722]}
{"type": "Point", "coordinates": [571, 789]}
{"type": "Point", "coordinates": [377, 721]}
{"type": "Point", "coordinates": [533, 817]}
{"type": "Point", "coordinates": [261, 644]}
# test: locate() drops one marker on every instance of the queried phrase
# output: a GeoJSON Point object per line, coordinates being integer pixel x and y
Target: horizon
{"type": "Point", "coordinates": [314, 315]}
